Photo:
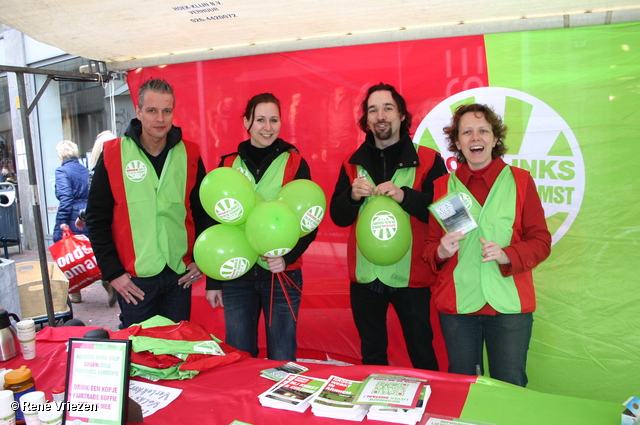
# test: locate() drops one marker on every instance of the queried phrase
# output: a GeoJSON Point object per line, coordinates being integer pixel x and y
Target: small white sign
{"type": "Point", "coordinates": [152, 397]}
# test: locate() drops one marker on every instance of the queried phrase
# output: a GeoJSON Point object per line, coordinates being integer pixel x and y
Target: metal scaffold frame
{"type": "Point", "coordinates": [97, 72]}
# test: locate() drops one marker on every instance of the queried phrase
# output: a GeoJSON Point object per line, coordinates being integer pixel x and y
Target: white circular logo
{"type": "Point", "coordinates": [229, 210]}
{"type": "Point", "coordinates": [234, 267]}
{"type": "Point", "coordinates": [384, 225]}
{"type": "Point", "coordinates": [311, 218]}
{"type": "Point", "coordinates": [466, 200]}
{"type": "Point", "coordinates": [279, 252]}
{"type": "Point", "coordinates": [538, 140]}
{"type": "Point", "coordinates": [136, 171]}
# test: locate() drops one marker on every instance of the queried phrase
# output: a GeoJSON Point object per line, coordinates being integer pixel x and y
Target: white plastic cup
{"type": "Point", "coordinates": [2, 373]}
{"type": "Point", "coordinates": [26, 325]}
{"type": "Point", "coordinates": [29, 403]}
{"type": "Point", "coordinates": [51, 416]}
{"type": "Point", "coordinates": [32, 419]}
{"type": "Point", "coordinates": [27, 337]}
{"type": "Point", "coordinates": [33, 398]}
{"type": "Point", "coordinates": [7, 414]}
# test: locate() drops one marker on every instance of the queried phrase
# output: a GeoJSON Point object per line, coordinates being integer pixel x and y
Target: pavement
{"type": "Point", "coordinates": [93, 310]}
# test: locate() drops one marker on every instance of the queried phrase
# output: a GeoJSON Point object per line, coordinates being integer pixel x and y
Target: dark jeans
{"type": "Point", "coordinates": [370, 315]}
{"type": "Point", "coordinates": [162, 296]}
{"type": "Point", "coordinates": [244, 299]}
{"type": "Point", "coordinates": [507, 338]}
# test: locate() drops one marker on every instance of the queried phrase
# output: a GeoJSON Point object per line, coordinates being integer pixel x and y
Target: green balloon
{"type": "Point", "coordinates": [307, 200]}
{"type": "Point", "coordinates": [227, 195]}
{"type": "Point", "coordinates": [259, 198]}
{"type": "Point", "coordinates": [272, 229]}
{"type": "Point", "coordinates": [383, 231]}
{"type": "Point", "coordinates": [223, 252]}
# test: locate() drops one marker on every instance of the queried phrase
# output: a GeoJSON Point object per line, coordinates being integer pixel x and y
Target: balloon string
{"type": "Point", "coordinates": [271, 301]}
{"type": "Point", "coordinates": [290, 281]}
{"type": "Point", "coordinates": [286, 295]}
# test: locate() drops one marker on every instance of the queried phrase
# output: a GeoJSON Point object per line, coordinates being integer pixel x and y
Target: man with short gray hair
{"type": "Point", "coordinates": [144, 211]}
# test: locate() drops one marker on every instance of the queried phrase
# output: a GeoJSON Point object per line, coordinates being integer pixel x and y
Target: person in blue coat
{"type": "Point", "coordinates": [72, 190]}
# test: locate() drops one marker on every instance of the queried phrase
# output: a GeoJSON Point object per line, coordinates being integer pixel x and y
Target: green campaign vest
{"type": "Point", "coordinates": [395, 275]}
{"type": "Point", "coordinates": [156, 208]}
{"type": "Point", "coordinates": [270, 183]}
{"type": "Point", "coordinates": [477, 283]}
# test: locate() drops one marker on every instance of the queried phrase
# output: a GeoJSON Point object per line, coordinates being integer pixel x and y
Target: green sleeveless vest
{"type": "Point", "coordinates": [156, 208]}
{"type": "Point", "coordinates": [270, 183]}
{"type": "Point", "coordinates": [395, 275]}
{"type": "Point", "coordinates": [476, 282]}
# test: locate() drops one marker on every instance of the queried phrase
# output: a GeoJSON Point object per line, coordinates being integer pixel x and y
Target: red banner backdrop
{"type": "Point", "coordinates": [320, 93]}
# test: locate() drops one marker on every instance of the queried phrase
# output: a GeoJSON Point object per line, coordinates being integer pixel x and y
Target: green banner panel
{"type": "Point", "coordinates": [504, 404]}
{"type": "Point", "coordinates": [588, 318]}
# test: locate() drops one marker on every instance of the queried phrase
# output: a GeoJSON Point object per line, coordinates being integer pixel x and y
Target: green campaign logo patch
{"type": "Point", "coordinates": [538, 140]}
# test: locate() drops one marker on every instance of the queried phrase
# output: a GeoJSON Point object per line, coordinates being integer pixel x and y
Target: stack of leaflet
{"type": "Point", "coordinates": [278, 373]}
{"type": "Point", "coordinates": [294, 393]}
{"type": "Point", "coordinates": [394, 398]}
{"type": "Point", "coordinates": [401, 415]}
{"type": "Point", "coordinates": [335, 400]}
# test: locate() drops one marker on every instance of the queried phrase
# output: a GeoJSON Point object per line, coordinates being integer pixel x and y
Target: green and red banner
{"type": "Point", "coordinates": [571, 100]}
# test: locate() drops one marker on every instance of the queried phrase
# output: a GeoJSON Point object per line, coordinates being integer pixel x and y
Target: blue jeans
{"type": "Point", "coordinates": [369, 310]}
{"type": "Point", "coordinates": [243, 300]}
{"type": "Point", "coordinates": [507, 339]}
{"type": "Point", "coordinates": [162, 296]}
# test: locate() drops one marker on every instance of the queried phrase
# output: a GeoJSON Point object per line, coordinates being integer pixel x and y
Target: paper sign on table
{"type": "Point", "coordinates": [152, 397]}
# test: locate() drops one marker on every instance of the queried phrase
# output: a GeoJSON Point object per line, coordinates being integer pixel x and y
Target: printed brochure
{"type": "Point", "coordinates": [278, 373]}
{"type": "Point", "coordinates": [335, 400]}
{"type": "Point", "coordinates": [452, 214]}
{"type": "Point", "coordinates": [294, 393]}
{"type": "Point", "coordinates": [390, 390]}
{"type": "Point", "coordinates": [401, 415]}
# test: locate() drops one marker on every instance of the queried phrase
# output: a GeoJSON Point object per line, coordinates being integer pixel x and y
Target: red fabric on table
{"type": "Point", "coordinates": [223, 394]}
{"type": "Point", "coordinates": [162, 361]}
{"type": "Point", "coordinates": [183, 331]}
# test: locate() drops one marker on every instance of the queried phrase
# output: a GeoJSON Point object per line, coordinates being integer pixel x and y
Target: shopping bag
{"type": "Point", "coordinates": [74, 256]}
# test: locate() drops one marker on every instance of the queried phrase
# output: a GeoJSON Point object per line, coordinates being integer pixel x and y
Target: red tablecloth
{"type": "Point", "coordinates": [227, 393]}
{"type": "Point", "coordinates": [221, 395]}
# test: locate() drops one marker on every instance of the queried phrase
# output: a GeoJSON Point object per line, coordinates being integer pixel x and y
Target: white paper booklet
{"type": "Point", "coordinates": [278, 373]}
{"type": "Point", "coordinates": [390, 390]}
{"type": "Point", "coordinates": [402, 415]}
{"type": "Point", "coordinates": [335, 400]}
{"type": "Point", "coordinates": [452, 214]}
{"type": "Point", "coordinates": [294, 393]}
